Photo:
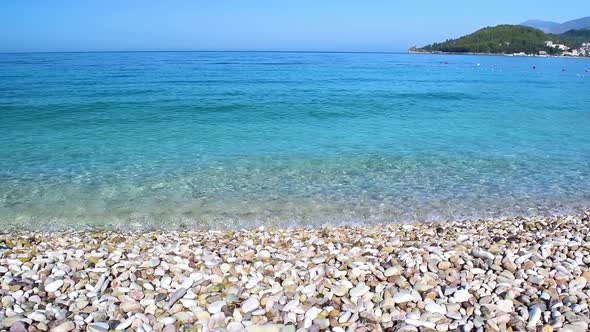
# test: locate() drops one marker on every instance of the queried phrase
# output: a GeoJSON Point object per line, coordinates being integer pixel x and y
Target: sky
{"type": "Point", "coordinates": [304, 25]}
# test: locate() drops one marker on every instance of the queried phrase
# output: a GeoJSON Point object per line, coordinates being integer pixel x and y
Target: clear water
{"type": "Point", "coordinates": [218, 140]}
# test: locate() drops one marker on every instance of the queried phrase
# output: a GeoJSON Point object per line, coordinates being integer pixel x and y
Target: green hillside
{"type": "Point", "coordinates": [574, 37]}
{"type": "Point", "coordinates": [499, 39]}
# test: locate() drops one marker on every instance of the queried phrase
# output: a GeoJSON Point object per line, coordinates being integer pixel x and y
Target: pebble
{"type": "Point", "coordinates": [421, 323]}
{"type": "Point", "coordinates": [312, 313]}
{"type": "Point", "coordinates": [522, 259]}
{"type": "Point", "coordinates": [265, 328]}
{"type": "Point", "coordinates": [154, 262]}
{"type": "Point", "coordinates": [167, 320]}
{"type": "Point", "coordinates": [130, 307]}
{"type": "Point", "coordinates": [64, 327]}
{"type": "Point", "coordinates": [250, 304]}
{"type": "Point", "coordinates": [344, 317]}
{"type": "Point", "coordinates": [37, 316]}
{"type": "Point", "coordinates": [435, 308]}
{"type": "Point", "coordinates": [508, 274]}
{"type": "Point", "coordinates": [125, 324]}
{"type": "Point", "coordinates": [573, 328]}
{"type": "Point", "coordinates": [215, 307]}
{"type": "Point", "coordinates": [340, 290]}
{"type": "Point", "coordinates": [177, 295]}
{"type": "Point", "coordinates": [54, 286]}
{"type": "Point", "coordinates": [18, 327]}
{"type": "Point", "coordinates": [393, 271]}
{"type": "Point", "coordinates": [264, 255]}
{"type": "Point", "coordinates": [462, 295]}
{"type": "Point", "coordinates": [235, 327]}
{"type": "Point", "coordinates": [97, 327]}
{"type": "Point", "coordinates": [461, 238]}
{"type": "Point", "coordinates": [444, 265]}
{"type": "Point", "coordinates": [402, 297]}
{"type": "Point", "coordinates": [187, 283]}
{"type": "Point", "coordinates": [534, 316]}
{"type": "Point", "coordinates": [360, 290]}
{"type": "Point", "coordinates": [480, 253]}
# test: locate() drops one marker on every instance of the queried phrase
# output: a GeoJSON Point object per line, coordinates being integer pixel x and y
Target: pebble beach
{"type": "Point", "coordinates": [518, 274]}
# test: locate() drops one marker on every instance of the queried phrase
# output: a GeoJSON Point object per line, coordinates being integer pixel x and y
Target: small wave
{"type": "Point", "coordinates": [432, 95]}
{"type": "Point", "coordinates": [252, 63]}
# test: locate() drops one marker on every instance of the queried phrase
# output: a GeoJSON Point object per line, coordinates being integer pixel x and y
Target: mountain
{"type": "Point", "coordinates": [558, 28]}
{"type": "Point", "coordinates": [579, 24]}
{"type": "Point", "coordinates": [506, 39]}
{"type": "Point", "coordinates": [545, 26]}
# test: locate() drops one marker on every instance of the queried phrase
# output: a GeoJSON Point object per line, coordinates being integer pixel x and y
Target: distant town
{"type": "Point", "coordinates": [564, 50]}
{"type": "Point", "coordinates": [559, 50]}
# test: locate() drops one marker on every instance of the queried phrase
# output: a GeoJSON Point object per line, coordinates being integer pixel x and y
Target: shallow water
{"type": "Point", "coordinates": [218, 140]}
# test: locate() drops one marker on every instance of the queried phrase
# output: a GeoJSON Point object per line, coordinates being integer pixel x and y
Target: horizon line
{"type": "Point", "coordinates": [208, 51]}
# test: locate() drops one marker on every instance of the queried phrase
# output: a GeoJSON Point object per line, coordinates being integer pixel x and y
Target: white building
{"type": "Point", "coordinates": [558, 46]}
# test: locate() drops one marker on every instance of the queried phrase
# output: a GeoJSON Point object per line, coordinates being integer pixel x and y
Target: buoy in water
{"type": "Point", "coordinates": [563, 69]}
{"type": "Point", "coordinates": [534, 67]}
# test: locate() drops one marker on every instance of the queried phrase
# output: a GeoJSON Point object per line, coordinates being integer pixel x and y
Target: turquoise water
{"type": "Point", "coordinates": [218, 140]}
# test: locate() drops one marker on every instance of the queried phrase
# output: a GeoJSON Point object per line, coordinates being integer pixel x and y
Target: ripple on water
{"type": "Point", "coordinates": [229, 140]}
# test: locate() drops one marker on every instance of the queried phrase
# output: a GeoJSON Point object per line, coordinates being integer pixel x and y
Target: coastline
{"type": "Point", "coordinates": [504, 54]}
{"type": "Point", "coordinates": [516, 273]}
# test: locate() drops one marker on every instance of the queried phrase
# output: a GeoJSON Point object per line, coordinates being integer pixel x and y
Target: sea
{"type": "Point", "coordinates": [229, 140]}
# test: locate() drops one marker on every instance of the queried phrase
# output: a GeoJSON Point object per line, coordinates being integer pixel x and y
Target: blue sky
{"type": "Point", "coordinates": [331, 25]}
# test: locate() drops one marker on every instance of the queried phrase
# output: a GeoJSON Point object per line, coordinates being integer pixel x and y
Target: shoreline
{"type": "Point", "coordinates": [47, 225]}
{"type": "Point", "coordinates": [504, 54]}
{"type": "Point", "coordinates": [522, 273]}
